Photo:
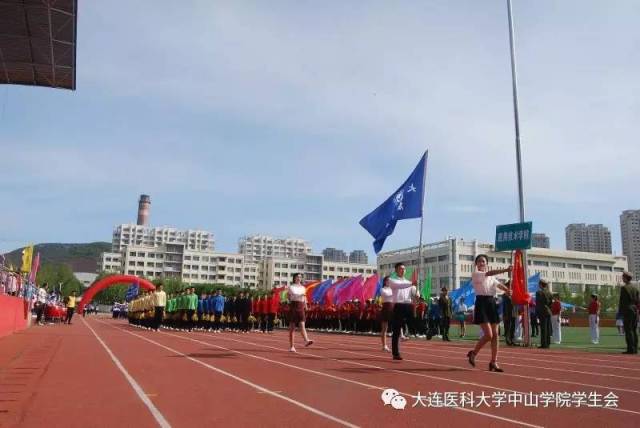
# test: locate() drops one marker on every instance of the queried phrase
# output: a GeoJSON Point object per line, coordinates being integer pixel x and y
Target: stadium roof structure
{"type": "Point", "coordinates": [38, 42]}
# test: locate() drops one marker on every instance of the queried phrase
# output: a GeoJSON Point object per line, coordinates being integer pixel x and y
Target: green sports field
{"type": "Point", "coordinates": [572, 338]}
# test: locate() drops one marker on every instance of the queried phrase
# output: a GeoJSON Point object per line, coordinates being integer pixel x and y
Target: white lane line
{"type": "Point", "coordinates": [136, 387]}
{"type": "Point", "coordinates": [342, 379]}
{"type": "Point", "coordinates": [435, 377]}
{"type": "Point", "coordinates": [246, 382]}
{"type": "Point", "coordinates": [427, 353]}
{"type": "Point", "coordinates": [544, 356]}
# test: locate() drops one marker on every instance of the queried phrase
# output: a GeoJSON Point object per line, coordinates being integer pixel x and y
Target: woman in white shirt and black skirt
{"type": "Point", "coordinates": [386, 314]}
{"type": "Point", "coordinates": [486, 310]}
{"type": "Point", "coordinates": [297, 310]}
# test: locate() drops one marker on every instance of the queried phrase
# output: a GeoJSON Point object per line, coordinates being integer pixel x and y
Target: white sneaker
{"type": "Point", "coordinates": [386, 349]}
{"type": "Point", "coordinates": [292, 349]}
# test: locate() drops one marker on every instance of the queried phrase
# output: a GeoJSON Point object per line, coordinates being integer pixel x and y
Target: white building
{"type": "Point", "coordinates": [338, 270]}
{"type": "Point", "coordinates": [592, 238]}
{"type": "Point", "coordinates": [451, 264]}
{"type": "Point", "coordinates": [126, 235]}
{"type": "Point", "coordinates": [263, 262]}
{"type": "Point", "coordinates": [630, 229]}
{"type": "Point", "coordinates": [259, 247]}
{"type": "Point", "coordinates": [191, 266]}
{"type": "Point", "coordinates": [86, 278]}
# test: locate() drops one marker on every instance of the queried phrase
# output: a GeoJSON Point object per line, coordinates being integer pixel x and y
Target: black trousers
{"type": "Point", "coordinates": [630, 322]}
{"type": "Point", "coordinates": [216, 320]}
{"type": "Point", "coordinates": [444, 327]}
{"type": "Point", "coordinates": [70, 312]}
{"type": "Point", "coordinates": [263, 322]}
{"type": "Point", "coordinates": [509, 329]}
{"type": "Point", "coordinates": [190, 324]}
{"type": "Point", "coordinates": [545, 330]}
{"type": "Point", "coordinates": [39, 311]}
{"type": "Point", "coordinates": [157, 317]}
{"type": "Point", "coordinates": [270, 321]}
{"type": "Point", "coordinates": [402, 312]}
{"type": "Point", "coordinates": [534, 324]}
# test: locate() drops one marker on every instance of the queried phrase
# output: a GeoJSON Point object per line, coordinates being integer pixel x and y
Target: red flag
{"type": "Point", "coordinates": [519, 293]}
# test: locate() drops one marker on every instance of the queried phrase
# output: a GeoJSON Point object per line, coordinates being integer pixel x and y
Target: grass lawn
{"type": "Point", "coordinates": [572, 338]}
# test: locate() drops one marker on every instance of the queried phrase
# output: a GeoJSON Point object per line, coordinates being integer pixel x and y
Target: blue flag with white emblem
{"type": "Point", "coordinates": [406, 202]}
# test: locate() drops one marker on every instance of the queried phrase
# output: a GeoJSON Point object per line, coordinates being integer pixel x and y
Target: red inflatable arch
{"type": "Point", "coordinates": [107, 282]}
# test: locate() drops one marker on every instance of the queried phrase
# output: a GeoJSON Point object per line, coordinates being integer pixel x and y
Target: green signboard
{"type": "Point", "coordinates": [515, 236]}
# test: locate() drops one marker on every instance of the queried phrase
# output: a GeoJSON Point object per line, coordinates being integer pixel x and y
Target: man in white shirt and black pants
{"type": "Point", "coordinates": [402, 308]}
{"type": "Point", "coordinates": [159, 303]}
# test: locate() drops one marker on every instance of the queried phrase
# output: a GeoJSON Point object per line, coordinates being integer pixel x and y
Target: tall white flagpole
{"type": "Point", "coordinates": [514, 80]}
{"type": "Point", "coordinates": [420, 260]}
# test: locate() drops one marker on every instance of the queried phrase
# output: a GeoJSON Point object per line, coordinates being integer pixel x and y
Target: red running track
{"type": "Point", "coordinates": [101, 372]}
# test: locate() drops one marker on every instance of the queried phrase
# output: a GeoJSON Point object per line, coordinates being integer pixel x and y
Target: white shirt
{"type": "Point", "coordinates": [160, 298]}
{"type": "Point", "coordinates": [484, 285]}
{"type": "Point", "coordinates": [462, 307]}
{"type": "Point", "coordinates": [401, 289]}
{"type": "Point", "coordinates": [296, 293]}
{"type": "Point", "coordinates": [387, 294]}
{"type": "Point", "coordinates": [42, 295]}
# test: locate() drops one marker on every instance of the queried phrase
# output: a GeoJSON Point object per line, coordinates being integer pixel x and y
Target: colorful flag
{"type": "Point", "coordinates": [310, 287]}
{"type": "Point", "coordinates": [349, 291]}
{"type": "Point", "coordinates": [370, 287]}
{"type": "Point", "coordinates": [330, 295]}
{"type": "Point", "coordinates": [318, 293]}
{"type": "Point", "coordinates": [34, 269]}
{"type": "Point", "coordinates": [27, 256]}
{"type": "Point", "coordinates": [404, 203]}
{"type": "Point", "coordinates": [426, 287]}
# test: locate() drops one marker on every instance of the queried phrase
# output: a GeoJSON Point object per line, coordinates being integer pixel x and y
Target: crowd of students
{"type": "Point", "coordinates": [425, 318]}
{"type": "Point", "coordinates": [216, 312]}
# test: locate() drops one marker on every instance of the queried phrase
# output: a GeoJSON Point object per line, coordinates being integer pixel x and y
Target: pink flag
{"type": "Point", "coordinates": [344, 292]}
{"type": "Point", "coordinates": [355, 291]}
{"type": "Point", "coordinates": [34, 269]}
{"type": "Point", "coordinates": [369, 288]}
{"type": "Point", "coordinates": [336, 293]}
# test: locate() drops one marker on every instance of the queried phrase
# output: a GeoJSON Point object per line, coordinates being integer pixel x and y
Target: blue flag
{"type": "Point", "coordinates": [132, 292]}
{"type": "Point", "coordinates": [406, 202]}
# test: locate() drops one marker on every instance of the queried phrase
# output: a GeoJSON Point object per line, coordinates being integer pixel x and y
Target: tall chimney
{"type": "Point", "coordinates": [143, 210]}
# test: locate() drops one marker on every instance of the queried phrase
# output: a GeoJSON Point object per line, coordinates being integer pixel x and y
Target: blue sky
{"type": "Point", "coordinates": [297, 118]}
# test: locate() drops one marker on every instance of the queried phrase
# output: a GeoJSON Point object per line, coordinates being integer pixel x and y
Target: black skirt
{"type": "Point", "coordinates": [486, 310]}
{"type": "Point", "coordinates": [297, 314]}
{"type": "Point", "coordinates": [386, 314]}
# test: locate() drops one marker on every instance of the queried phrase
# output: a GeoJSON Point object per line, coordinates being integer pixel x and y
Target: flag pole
{"type": "Point", "coordinates": [514, 80]}
{"type": "Point", "coordinates": [420, 260]}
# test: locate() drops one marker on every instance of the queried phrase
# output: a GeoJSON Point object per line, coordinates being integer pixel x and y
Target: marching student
{"type": "Point", "coordinates": [594, 319]}
{"type": "Point", "coordinates": [543, 312]}
{"type": "Point", "coordinates": [218, 309]}
{"type": "Point", "coordinates": [71, 307]}
{"type": "Point", "coordinates": [461, 314]}
{"type": "Point", "coordinates": [556, 319]}
{"type": "Point", "coordinates": [262, 313]}
{"type": "Point", "coordinates": [445, 309]}
{"type": "Point", "coordinates": [297, 308]}
{"type": "Point", "coordinates": [273, 304]}
{"type": "Point", "coordinates": [386, 314]}
{"type": "Point", "coordinates": [486, 311]}
{"type": "Point", "coordinates": [509, 316]}
{"type": "Point", "coordinates": [628, 307]}
{"type": "Point", "coordinates": [402, 307]}
{"type": "Point", "coordinates": [191, 307]}
{"type": "Point", "coordinates": [159, 302]}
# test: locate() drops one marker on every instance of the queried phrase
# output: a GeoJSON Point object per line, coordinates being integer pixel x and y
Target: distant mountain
{"type": "Point", "coordinates": [79, 257]}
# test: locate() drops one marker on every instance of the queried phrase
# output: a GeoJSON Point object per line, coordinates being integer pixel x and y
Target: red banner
{"type": "Point", "coordinates": [13, 315]}
{"type": "Point", "coordinates": [519, 293]}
